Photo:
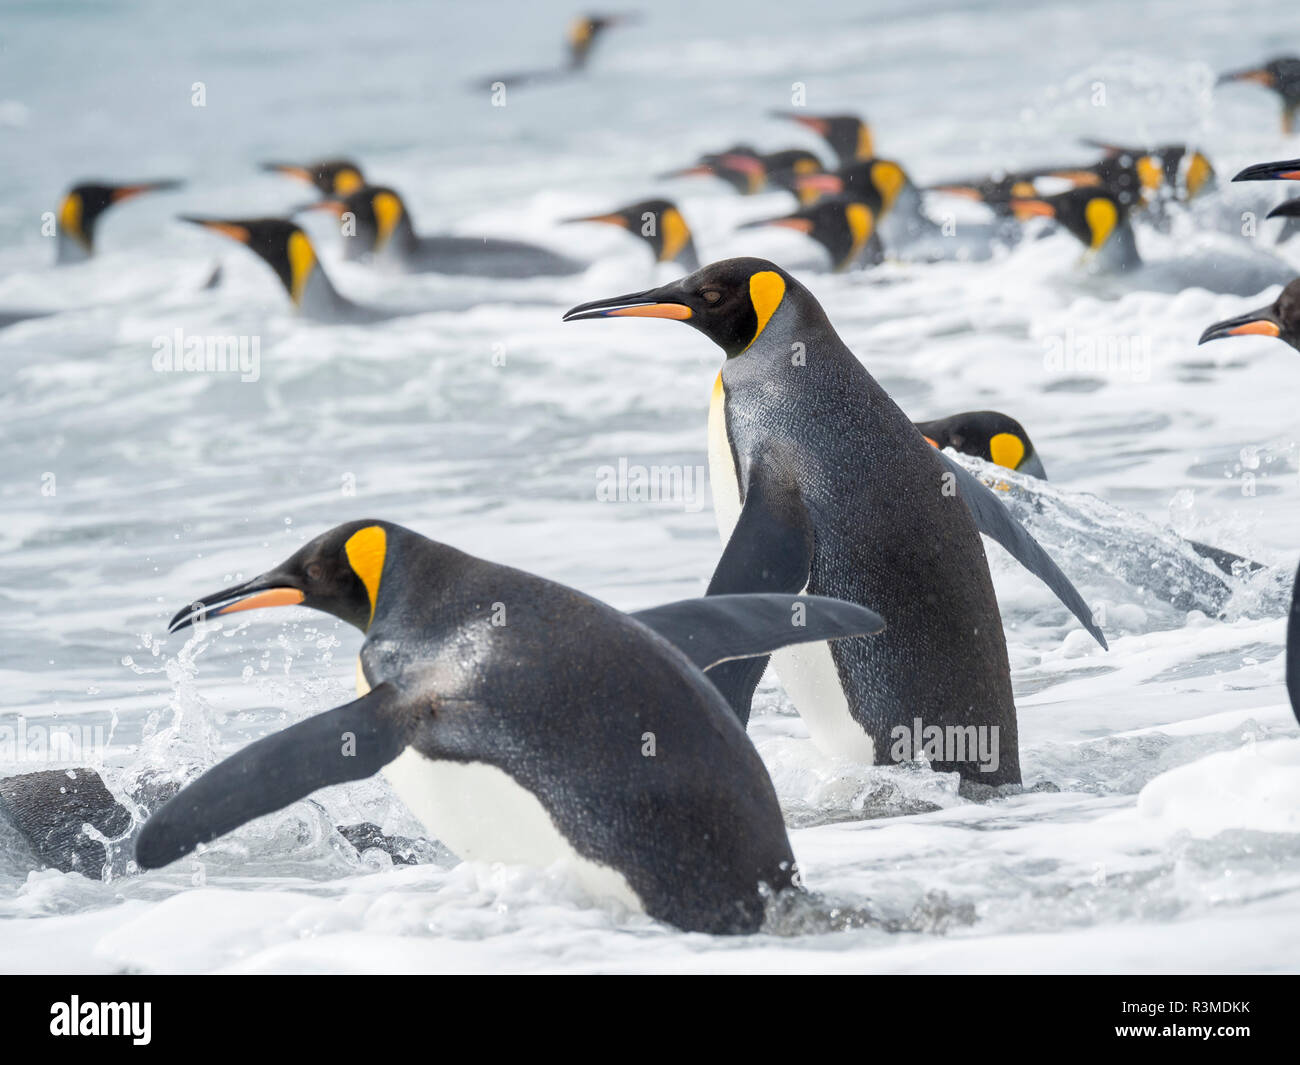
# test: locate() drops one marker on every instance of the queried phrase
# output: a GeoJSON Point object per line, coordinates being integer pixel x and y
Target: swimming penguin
{"type": "Point", "coordinates": [905, 229]}
{"type": "Point", "coordinates": [822, 484]}
{"type": "Point", "coordinates": [289, 252]}
{"type": "Point", "coordinates": [847, 135]}
{"type": "Point", "coordinates": [1000, 439]}
{"type": "Point", "coordinates": [845, 228]}
{"type": "Point", "coordinates": [660, 224]}
{"type": "Point", "coordinates": [1097, 218]}
{"type": "Point", "coordinates": [382, 229]}
{"type": "Point", "coordinates": [85, 204]}
{"type": "Point", "coordinates": [524, 722]}
{"type": "Point", "coordinates": [1142, 177]}
{"type": "Point", "coordinates": [995, 191]}
{"type": "Point", "coordinates": [1282, 75]}
{"type": "Point", "coordinates": [333, 177]}
{"type": "Point", "coordinates": [750, 172]}
{"type": "Point", "coordinates": [1280, 319]}
{"type": "Point", "coordinates": [579, 39]}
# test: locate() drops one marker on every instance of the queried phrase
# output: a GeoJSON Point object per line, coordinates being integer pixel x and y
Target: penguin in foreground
{"type": "Point", "coordinates": [1282, 75]}
{"type": "Point", "coordinates": [845, 228]}
{"type": "Point", "coordinates": [289, 252]}
{"type": "Point", "coordinates": [524, 722]}
{"type": "Point", "coordinates": [385, 232]}
{"type": "Point", "coordinates": [1098, 219]}
{"type": "Point", "coordinates": [84, 205]}
{"type": "Point", "coordinates": [847, 135]}
{"type": "Point", "coordinates": [1280, 319]}
{"type": "Point", "coordinates": [998, 438]}
{"type": "Point", "coordinates": [333, 177]}
{"type": "Point", "coordinates": [822, 484]}
{"type": "Point", "coordinates": [660, 224]}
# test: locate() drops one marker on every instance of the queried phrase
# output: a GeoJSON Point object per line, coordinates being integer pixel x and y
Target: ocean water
{"type": "Point", "coordinates": [1164, 834]}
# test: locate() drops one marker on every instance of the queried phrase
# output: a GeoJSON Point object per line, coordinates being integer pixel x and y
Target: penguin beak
{"type": "Point", "coordinates": [267, 590]}
{"type": "Point", "coordinates": [829, 183]}
{"type": "Point", "coordinates": [126, 192]}
{"type": "Point", "coordinates": [817, 125]}
{"type": "Point", "coordinates": [698, 170]}
{"type": "Point", "coordinates": [233, 230]}
{"type": "Point", "coordinates": [290, 170]}
{"type": "Point", "coordinates": [744, 164]}
{"type": "Point", "coordinates": [608, 219]}
{"type": "Point", "coordinates": [1290, 209]}
{"type": "Point", "coordinates": [1286, 170]}
{"type": "Point", "coordinates": [333, 206]}
{"type": "Point", "coordinates": [653, 303]}
{"type": "Point", "coordinates": [803, 225]}
{"type": "Point", "coordinates": [1256, 74]}
{"type": "Point", "coordinates": [966, 192]}
{"type": "Point", "coordinates": [1252, 323]}
{"type": "Point", "coordinates": [1025, 209]}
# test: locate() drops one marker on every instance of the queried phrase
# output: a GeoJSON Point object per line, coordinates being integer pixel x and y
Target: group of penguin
{"type": "Point", "coordinates": [617, 741]}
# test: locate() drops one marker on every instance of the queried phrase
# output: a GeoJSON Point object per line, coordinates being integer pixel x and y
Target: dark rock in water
{"type": "Point", "coordinates": [50, 810]}
{"type": "Point", "coordinates": [404, 851]}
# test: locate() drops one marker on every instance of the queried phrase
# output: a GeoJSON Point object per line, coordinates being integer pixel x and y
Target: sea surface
{"type": "Point", "coordinates": [1159, 829]}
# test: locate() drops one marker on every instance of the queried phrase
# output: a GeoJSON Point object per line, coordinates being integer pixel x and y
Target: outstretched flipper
{"type": "Point", "coordinates": [348, 743]}
{"type": "Point", "coordinates": [770, 551]}
{"type": "Point", "coordinates": [1293, 649]}
{"type": "Point", "coordinates": [723, 628]}
{"type": "Point", "coordinates": [50, 810]}
{"type": "Point", "coordinates": [994, 520]}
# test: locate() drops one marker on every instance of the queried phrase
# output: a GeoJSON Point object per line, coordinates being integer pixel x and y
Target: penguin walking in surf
{"type": "Point", "coordinates": [524, 722]}
{"type": "Point", "coordinates": [822, 483]}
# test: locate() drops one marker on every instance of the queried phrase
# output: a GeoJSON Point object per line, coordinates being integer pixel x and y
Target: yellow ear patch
{"type": "Point", "coordinates": [888, 179]}
{"type": "Point", "coordinates": [347, 180]}
{"type": "Point", "coordinates": [388, 212]}
{"type": "Point", "coordinates": [302, 261]}
{"type": "Point", "coordinates": [366, 550]}
{"type": "Point", "coordinates": [1199, 172]}
{"type": "Point", "coordinates": [766, 290]}
{"type": "Point", "coordinates": [858, 215]}
{"type": "Point", "coordinates": [1102, 217]}
{"type": "Point", "coordinates": [1150, 172]}
{"type": "Point", "coordinates": [865, 148]}
{"type": "Point", "coordinates": [70, 216]}
{"type": "Point", "coordinates": [675, 233]}
{"type": "Point", "coordinates": [1007, 450]}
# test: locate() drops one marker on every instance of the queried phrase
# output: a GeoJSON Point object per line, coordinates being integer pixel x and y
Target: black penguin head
{"type": "Point", "coordinates": [1282, 76]}
{"type": "Point", "coordinates": [986, 434]}
{"type": "Point", "coordinates": [83, 205]}
{"type": "Point", "coordinates": [848, 136]}
{"type": "Point", "coordinates": [340, 572]}
{"type": "Point", "coordinates": [583, 32]}
{"type": "Point", "coordinates": [1091, 214]}
{"type": "Point", "coordinates": [740, 166]}
{"type": "Point", "coordinates": [658, 222]}
{"type": "Point", "coordinates": [371, 215]}
{"type": "Point", "coordinates": [730, 302]}
{"type": "Point", "coordinates": [334, 177]}
{"type": "Point", "coordinates": [995, 191]}
{"type": "Point", "coordinates": [1280, 319]}
{"type": "Point", "coordinates": [875, 182]}
{"type": "Point", "coordinates": [842, 226]}
{"type": "Point", "coordinates": [284, 246]}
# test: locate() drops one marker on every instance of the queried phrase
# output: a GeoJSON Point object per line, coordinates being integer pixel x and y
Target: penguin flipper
{"type": "Point", "coordinates": [1226, 561]}
{"type": "Point", "coordinates": [770, 551]}
{"type": "Point", "coordinates": [350, 742]}
{"type": "Point", "coordinates": [994, 520]}
{"type": "Point", "coordinates": [723, 628]}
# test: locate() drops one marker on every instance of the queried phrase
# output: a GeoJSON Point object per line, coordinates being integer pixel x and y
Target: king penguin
{"type": "Point", "coordinates": [844, 227]}
{"type": "Point", "coordinates": [332, 177]}
{"type": "Point", "coordinates": [289, 252]}
{"type": "Point", "coordinates": [1282, 75]}
{"type": "Point", "coordinates": [660, 224]}
{"type": "Point", "coordinates": [524, 722]}
{"type": "Point", "coordinates": [385, 232]}
{"type": "Point", "coordinates": [83, 206]}
{"type": "Point", "coordinates": [1280, 319]}
{"type": "Point", "coordinates": [821, 483]}
{"type": "Point", "coordinates": [847, 135]}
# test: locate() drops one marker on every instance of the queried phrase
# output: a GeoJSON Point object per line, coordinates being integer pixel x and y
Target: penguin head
{"type": "Point", "coordinates": [285, 247]}
{"type": "Point", "coordinates": [740, 166]}
{"type": "Point", "coordinates": [340, 572]}
{"type": "Point", "coordinates": [1280, 319]}
{"type": "Point", "coordinates": [995, 191]}
{"type": "Point", "coordinates": [840, 225]}
{"type": "Point", "coordinates": [875, 182]}
{"type": "Point", "coordinates": [1091, 214]}
{"type": "Point", "coordinates": [376, 213]}
{"type": "Point", "coordinates": [986, 434]}
{"type": "Point", "coordinates": [334, 177]}
{"type": "Point", "coordinates": [82, 206]}
{"type": "Point", "coordinates": [731, 302]}
{"type": "Point", "coordinates": [848, 136]}
{"type": "Point", "coordinates": [659, 223]}
{"type": "Point", "coordinates": [583, 32]}
{"type": "Point", "coordinates": [1282, 76]}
